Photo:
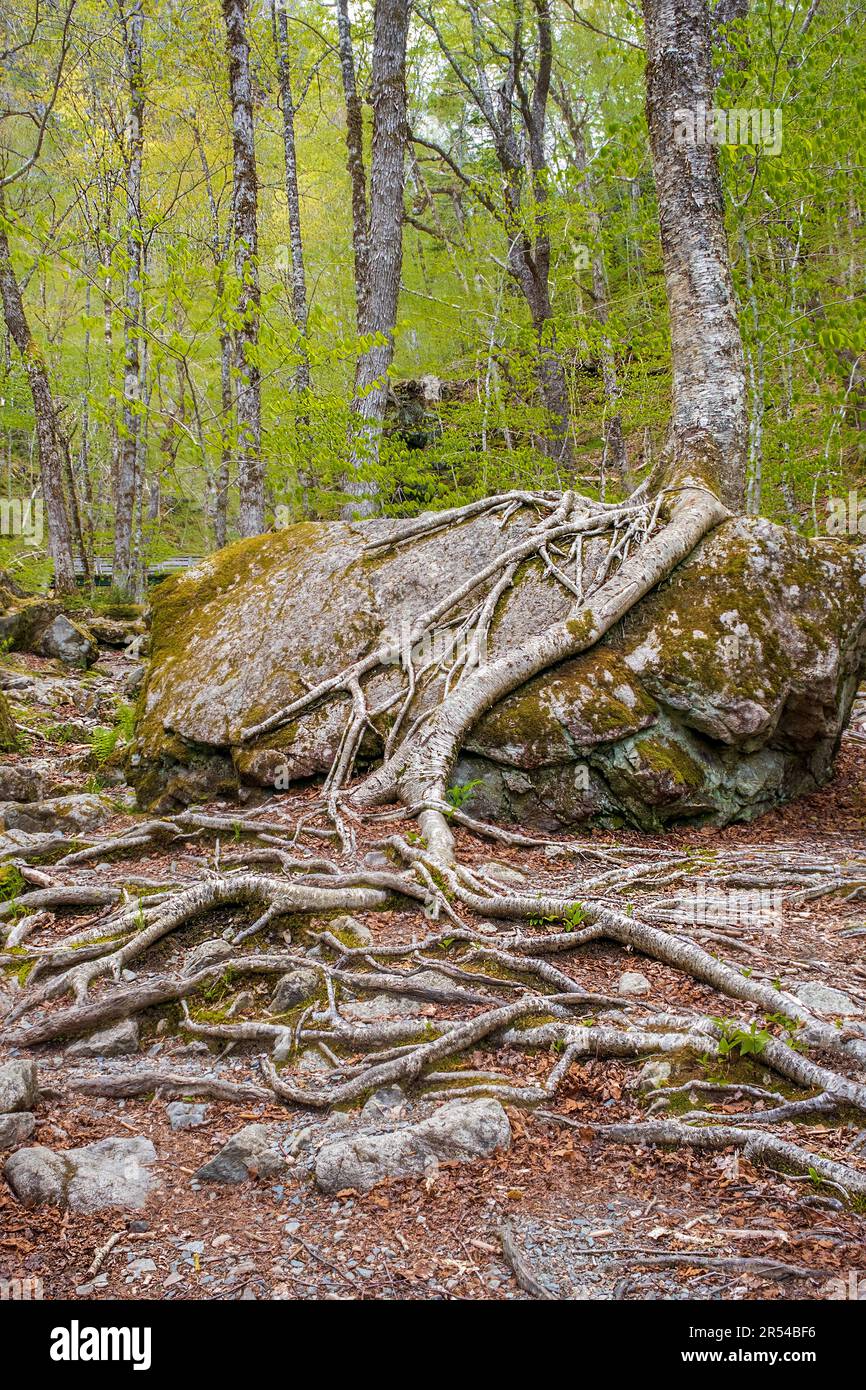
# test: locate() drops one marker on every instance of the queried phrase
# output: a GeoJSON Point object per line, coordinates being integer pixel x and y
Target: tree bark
{"type": "Point", "coordinates": [708, 432]}
{"type": "Point", "coordinates": [293, 198]}
{"type": "Point", "coordinates": [614, 456]}
{"type": "Point", "coordinates": [47, 434]}
{"type": "Point", "coordinates": [126, 457]}
{"type": "Point", "coordinates": [384, 242]}
{"type": "Point", "coordinates": [355, 161]}
{"type": "Point", "coordinates": [251, 477]}
{"type": "Point", "coordinates": [219, 246]}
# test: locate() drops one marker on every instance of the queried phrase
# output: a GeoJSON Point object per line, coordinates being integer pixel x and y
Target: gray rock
{"type": "Point", "coordinates": [19, 783]}
{"type": "Point", "coordinates": [386, 1103]}
{"type": "Point", "coordinates": [823, 999]}
{"type": "Point", "coordinates": [110, 1173]}
{"type": "Point", "coordinates": [68, 641]}
{"type": "Point", "coordinates": [375, 859]}
{"type": "Point", "coordinates": [119, 1040]}
{"type": "Point", "coordinates": [186, 1115]}
{"type": "Point", "coordinates": [503, 873]}
{"type": "Point", "coordinates": [633, 982]}
{"type": "Point", "coordinates": [207, 953]}
{"type": "Point", "coordinates": [65, 814]}
{"type": "Point", "coordinates": [460, 1130]}
{"type": "Point", "coordinates": [14, 1129]}
{"type": "Point", "coordinates": [380, 1006]}
{"type": "Point", "coordinates": [653, 1074]}
{"type": "Point", "coordinates": [294, 988]}
{"type": "Point", "coordinates": [19, 1088]}
{"type": "Point", "coordinates": [250, 1153]}
{"type": "Point", "coordinates": [352, 926]}
{"type": "Point", "coordinates": [722, 694]}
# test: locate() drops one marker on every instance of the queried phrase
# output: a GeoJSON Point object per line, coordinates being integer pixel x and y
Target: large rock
{"type": "Point", "coordinates": [67, 815]}
{"type": "Point", "coordinates": [110, 1173]}
{"type": "Point", "coordinates": [460, 1130]}
{"type": "Point", "coordinates": [722, 694]}
{"type": "Point", "coordinates": [39, 625]}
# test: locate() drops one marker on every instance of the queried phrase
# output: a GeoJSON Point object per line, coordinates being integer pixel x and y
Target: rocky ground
{"type": "Point", "coordinates": [426, 1191]}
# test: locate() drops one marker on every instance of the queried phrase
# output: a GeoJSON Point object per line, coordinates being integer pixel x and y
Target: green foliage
{"type": "Point", "coordinates": [458, 795]}
{"type": "Point", "coordinates": [736, 1041]}
{"type": "Point", "coordinates": [105, 742]}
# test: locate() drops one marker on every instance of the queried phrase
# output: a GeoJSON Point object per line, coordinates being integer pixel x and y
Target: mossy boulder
{"type": "Point", "coordinates": [723, 693]}
{"type": "Point", "coordinates": [39, 625]}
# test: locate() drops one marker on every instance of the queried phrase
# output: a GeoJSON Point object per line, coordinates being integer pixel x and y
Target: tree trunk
{"type": "Point", "coordinates": [385, 240]}
{"type": "Point", "coordinates": [293, 199]}
{"type": "Point", "coordinates": [251, 478]}
{"type": "Point", "coordinates": [219, 251]}
{"type": "Point", "coordinates": [50, 453]}
{"type": "Point", "coordinates": [614, 458]}
{"type": "Point", "coordinates": [126, 471]}
{"type": "Point", "coordinates": [708, 430]}
{"type": "Point", "coordinates": [355, 160]}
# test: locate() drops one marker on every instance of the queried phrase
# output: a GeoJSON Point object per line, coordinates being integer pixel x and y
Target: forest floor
{"type": "Point", "coordinates": [587, 1219]}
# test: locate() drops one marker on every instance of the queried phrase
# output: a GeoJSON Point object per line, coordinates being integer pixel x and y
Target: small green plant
{"type": "Point", "coordinates": [105, 741]}
{"type": "Point", "coordinates": [738, 1041]}
{"type": "Point", "coordinates": [573, 917]}
{"type": "Point", "coordinates": [462, 792]}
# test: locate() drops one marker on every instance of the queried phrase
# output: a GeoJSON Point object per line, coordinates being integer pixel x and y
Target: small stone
{"type": "Point", "coordinates": [294, 988]}
{"type": "Point", "coordinates": [632, 982]}
{"type": "Point", "coordinates": [184, 1115]}
{"type": "Point", "coordinates": [351, 926]}
{"type": "Point", "coordinates": [380, 1006]}
{"type": "Point", "coordinates": [249, 1153]}
{"type": "Point", "coordinates": [376, 860]}
{"type": "Point", "coordinates": [119, 1040]}
{"type": "Point", "coordinates": [14, 1129]}
{"type": "Point", "coordinates": [653, 1074]}
{"type": "Point", "coordinates": [823, 999]}
{"type": "Point", "coordinates": [503, 873]}
{"type": "Point", "coordinates": [388, 1101]}
{"type": "Point", "coordinates": [206, 954]}
{"type": "Point", "coordinates": [19, 1089]}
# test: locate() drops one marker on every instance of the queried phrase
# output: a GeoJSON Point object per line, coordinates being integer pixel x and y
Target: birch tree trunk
{"type": "Point", "coordinates": [219, 250]}
{"type": "Point", "coordinates": [50, 453]}
{"type": "Point", "coordinates": [126, 456]}
{"type": "Point", "coordinates": [708, 432]}
{"type": "Point", "coordinates": [355, 161]}
{"type": "Point", "coordinates": [293, 198]}
{"type": "Point", "coordinates": [614, 452]}
{"type": "Point", "coordinates": [384, 242]}
{"type": "Point", "coordinates": [251, 476]}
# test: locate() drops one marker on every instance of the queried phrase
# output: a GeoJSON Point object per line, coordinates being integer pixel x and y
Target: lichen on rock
{"type": "Point", "coordinates": [722, 693]}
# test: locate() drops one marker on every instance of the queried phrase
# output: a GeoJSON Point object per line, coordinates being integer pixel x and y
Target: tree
{"type": "Point", "coordinates": [379, 252]}
{"type": "Point", "coordinates": [511, 92]}
{"type": "Point", "coordinates": [47, 430]}
{"type": "Point", "coordinates": [248, 404]}
{"type": "Point", "coordinates": [708, 428]}
{"type": "Point", "coordinates": [127, 483]}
